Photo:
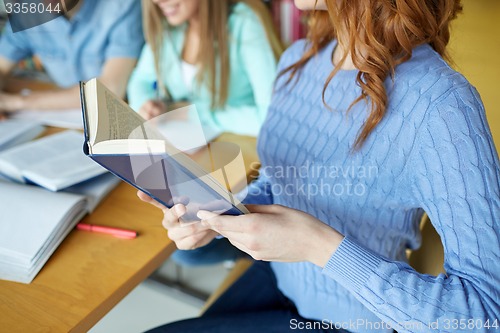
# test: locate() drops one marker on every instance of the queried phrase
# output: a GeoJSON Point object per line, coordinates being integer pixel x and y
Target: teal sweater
{"type": "Point", "coordinates": [252, 66]}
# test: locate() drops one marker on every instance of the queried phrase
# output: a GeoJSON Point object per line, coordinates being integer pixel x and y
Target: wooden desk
{"type": "Point", "coordinates": [15, 85]}
{"type": "Point", "coordinates": [90, 273]}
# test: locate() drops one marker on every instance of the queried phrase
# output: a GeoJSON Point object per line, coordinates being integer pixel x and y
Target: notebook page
{"type": "Point", "coordinates": [71, 118]}
{"type": "Point", "coordinates": [30, 217]}
{"type": "Point", "coordinates": [14, 132]}
{"type": "Point", "coordinates": [56, 161]}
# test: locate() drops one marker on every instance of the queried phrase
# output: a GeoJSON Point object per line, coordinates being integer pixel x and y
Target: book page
{"type": "Point", "coordinates": [14, 132]}
{"type": "Point", "coordinates": [71, 118]}
{"type": "Point", "coordinates": [121, 121]}
{"type": "Point", "coordinates": [29, 232]}
{"type": "Point", "coordinates": [23, 232]}
{"type": "Point", "coordinates": [35, 151]}
{"type": "Point", "coordinates": [63, 170]}
{"type": "Point", "coordinates": [95, 190]}
{"type": "Point", "coordinates": [115, 119]}
{"type": "Point", "coordinates": [56, 159]}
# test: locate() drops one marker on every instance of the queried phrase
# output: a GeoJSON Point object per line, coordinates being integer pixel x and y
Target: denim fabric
{"type": "Point", "coordinates": [252, 304]}
{"type": "Point", "coordinates": [217, 251]}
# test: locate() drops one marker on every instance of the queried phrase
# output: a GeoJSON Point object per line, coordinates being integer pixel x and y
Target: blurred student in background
{"type": "Point", "coordinates": [94, 39]}
{"type": "Point", "coordinates": [372, 128]}
{"type": "Point", "coordinates": [221, 56]}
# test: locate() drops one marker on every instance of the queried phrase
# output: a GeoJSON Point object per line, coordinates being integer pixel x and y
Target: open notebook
{"type": "Point", "coordinates": [15, 132]}
{"type": "Point", "coordinates": [54, 162]}
{"type": "Point", "coordinates": [71, 118]}
{"type": "Point", "coordinates": [34, 221]}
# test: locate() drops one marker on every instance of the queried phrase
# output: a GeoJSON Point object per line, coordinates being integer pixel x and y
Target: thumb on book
{"type": "Point", "coordinates": [205, 215]}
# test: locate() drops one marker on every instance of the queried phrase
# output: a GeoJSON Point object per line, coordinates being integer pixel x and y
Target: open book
{"type": "Point", "coordinates": [120, 140]}
{"type": "Point", "coordinates": [70, 118]}
{"type": "Point", "coordinates": [15, 132]}
{"type": "Point", "coordinates": [54, 162]}
{"type": "Point", "coordinates": [35, 221]}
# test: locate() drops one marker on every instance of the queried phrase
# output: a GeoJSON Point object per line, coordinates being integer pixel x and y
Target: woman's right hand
{"type": "Point", "coordinates": [152, 108]}
{"type": "Point", "coordinates": [187, 236]}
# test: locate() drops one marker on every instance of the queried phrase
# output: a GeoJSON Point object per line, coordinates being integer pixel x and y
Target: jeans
{"type": "Point", "coordinates": [252, 304]}
{"type": "Point", "coordinates": [218, 250]}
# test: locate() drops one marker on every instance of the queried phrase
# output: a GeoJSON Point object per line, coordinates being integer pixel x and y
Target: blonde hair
{"type": "Point", "coordinates": [380, 34]}
{"type": "Point", "coordinates": [214, 41]}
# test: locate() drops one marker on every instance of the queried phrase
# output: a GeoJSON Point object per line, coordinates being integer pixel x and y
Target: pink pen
{"type": "Point", "coordinates": [117, 232]}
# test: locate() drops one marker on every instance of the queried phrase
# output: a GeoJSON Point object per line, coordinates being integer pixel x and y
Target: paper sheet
{"type": "Point", "coordinates": [71, 118]}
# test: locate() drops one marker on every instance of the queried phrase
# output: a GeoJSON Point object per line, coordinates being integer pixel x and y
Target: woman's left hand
{"type": "Point", "coordinates": [277, 233]}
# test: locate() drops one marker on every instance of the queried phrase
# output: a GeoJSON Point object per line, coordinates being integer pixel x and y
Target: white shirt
{"type": "Point", "coordinates": [189, 72]}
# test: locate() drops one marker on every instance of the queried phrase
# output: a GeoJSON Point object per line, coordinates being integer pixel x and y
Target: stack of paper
{"type": "Point", "coordinates": [34, 221]}
{"type": "Point", "coordinates": [32, 225]}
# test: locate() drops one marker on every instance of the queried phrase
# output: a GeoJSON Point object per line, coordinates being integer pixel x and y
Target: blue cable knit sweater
{"type": "Point", "coordinates": [432, 152]}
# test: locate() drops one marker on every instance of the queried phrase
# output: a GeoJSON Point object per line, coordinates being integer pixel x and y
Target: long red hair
{"type": "Point", "coordinates": [379, 34]}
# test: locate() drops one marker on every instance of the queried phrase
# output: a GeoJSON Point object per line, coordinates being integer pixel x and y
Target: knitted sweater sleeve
{"type": "Point", "coordinates": [455, 178]}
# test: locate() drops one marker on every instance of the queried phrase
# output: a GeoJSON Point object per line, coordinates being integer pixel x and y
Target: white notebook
{"type": "Point", "coordinates": [34, 221]}
{"type": "Point", "coordinates": [32, 224]}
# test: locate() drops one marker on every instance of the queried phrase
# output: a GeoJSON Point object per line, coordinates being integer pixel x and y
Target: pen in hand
{"type": "Point", "coordinates": [156, 89]}
{"type": "Point", "coordinates": [117, 232]}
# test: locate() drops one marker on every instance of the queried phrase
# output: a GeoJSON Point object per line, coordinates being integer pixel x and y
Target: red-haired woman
{"type": "Point", "coordinates": [368, 129]}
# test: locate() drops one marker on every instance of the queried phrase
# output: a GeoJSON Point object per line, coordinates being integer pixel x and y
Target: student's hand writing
{"type": "Point", "coordinates": [186, 237]}
{"type": "Point", "coordinates": [277, 233]}
{"type": "Point", "coordinates": [152, 108]}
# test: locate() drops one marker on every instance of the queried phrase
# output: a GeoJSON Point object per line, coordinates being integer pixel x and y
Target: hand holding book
{"type": "Point", "coordinates": [185, 237]}
{"type": "Point", "coordinates": [134, 150]}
